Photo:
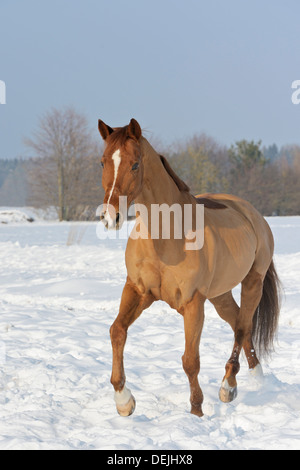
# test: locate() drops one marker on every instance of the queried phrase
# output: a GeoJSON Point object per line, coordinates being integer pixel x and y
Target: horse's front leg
{"type": "Point", "coordinates": [193, 315]}
{"type": "Point", "coordinates": [133, 302]}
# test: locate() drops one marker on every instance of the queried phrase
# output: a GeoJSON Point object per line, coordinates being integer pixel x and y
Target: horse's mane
{"type": "Point", "coordinates": [179, 183]}
{"type": "Point", "coordinates": [206, 201]}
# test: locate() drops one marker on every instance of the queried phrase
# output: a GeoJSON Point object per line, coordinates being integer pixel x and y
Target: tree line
{"type": "Point", "coordinates": [267, 177]}
{"type": "Point", "coordinates": [64, 171]}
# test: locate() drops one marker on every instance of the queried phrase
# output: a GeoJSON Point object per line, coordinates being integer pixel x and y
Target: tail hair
{"type": "Point", "coordinates": [265, 320]}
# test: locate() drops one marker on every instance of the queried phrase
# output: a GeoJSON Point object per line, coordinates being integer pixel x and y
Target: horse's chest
{"type": "Point", "coordinates": [172, 279]}
{"type": "Point", "coordinates": [166, 283]}
{"type": "Point", "coordinates": [146, 275]}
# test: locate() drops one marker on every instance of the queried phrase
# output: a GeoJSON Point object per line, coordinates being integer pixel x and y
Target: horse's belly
{"type": "Point", "coordinates": [226, 282]}
{"type": "Point", "coordinates": [233, 262]}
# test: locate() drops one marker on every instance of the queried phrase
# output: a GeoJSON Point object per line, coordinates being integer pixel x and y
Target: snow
{"type": "Point", "coordinates": [60, 288]}
{"type": "Point", "coordinates": [13, 215]}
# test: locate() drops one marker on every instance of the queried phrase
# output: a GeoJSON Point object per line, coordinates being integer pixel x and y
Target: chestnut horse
{"type": "Point", "coordinates": [238, 248]}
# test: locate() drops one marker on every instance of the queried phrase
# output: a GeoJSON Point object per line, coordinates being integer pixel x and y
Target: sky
{"type": "Point", "coordinates": [179, 67]}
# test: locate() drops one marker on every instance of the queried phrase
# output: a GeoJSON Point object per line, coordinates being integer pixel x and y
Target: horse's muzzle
{"type": "Point", "coordinates": [111, 219]}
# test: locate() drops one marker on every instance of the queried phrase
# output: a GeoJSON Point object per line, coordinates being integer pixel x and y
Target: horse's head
{"type": "Point", "coordinates": [122, 170]}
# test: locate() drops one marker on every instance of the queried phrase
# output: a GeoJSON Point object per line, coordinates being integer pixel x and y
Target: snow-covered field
{"type": "Point", "coordinates": [59, 293]}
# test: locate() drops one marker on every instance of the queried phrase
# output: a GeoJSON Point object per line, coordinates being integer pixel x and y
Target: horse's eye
{"type": "Point", "coordinates": [135, 166]}
{"type": "Point", "coordinates": [102, 164]}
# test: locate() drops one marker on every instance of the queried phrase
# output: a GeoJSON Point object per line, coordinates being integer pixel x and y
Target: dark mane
{"type": "Point", "coordinates": [210, 203]}
{"type": "Point", "coordinates": [179, 183]}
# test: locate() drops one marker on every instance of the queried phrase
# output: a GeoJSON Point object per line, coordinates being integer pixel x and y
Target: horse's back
{"type": "Point", "coordinates": [264, 239]}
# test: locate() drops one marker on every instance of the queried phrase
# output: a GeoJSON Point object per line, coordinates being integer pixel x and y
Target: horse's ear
{"type": "Point", "coordinates": [134, 130]}
{"type": "Point", "coordinates": [104, 129]}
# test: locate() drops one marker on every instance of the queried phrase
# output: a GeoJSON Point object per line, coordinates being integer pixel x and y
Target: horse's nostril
{"type": "Point", "coordinates": [102, 216]}
{"type": "Point", "coordinates": [118, 217]}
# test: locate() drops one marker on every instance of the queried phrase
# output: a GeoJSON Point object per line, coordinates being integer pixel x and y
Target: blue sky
{"type": "Point", "coordinates": [220, 67]}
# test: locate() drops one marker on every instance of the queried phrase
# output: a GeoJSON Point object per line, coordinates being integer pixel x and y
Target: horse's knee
{"type": "Point", "coordinates": [191, 365]}
{"type": "Point", "coordinates": [117, 334]}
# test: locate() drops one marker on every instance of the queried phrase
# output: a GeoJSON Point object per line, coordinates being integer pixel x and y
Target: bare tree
{"type": "Point", "coordinates": [65, 172]}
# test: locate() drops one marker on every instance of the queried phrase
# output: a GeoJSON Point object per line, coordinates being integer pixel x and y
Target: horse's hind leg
{"type": "Point", "coordinates": [228, 310]}
{"type": "Point", "coordinates": [132, 305]}
{"type": "Point", "coordinates": [193, 315]}
{"type": "Point", "coordinates": [250, 297]}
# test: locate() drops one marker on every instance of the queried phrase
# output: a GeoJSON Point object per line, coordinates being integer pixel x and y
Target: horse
{"type": "Point", "coordinates": [238, 248]}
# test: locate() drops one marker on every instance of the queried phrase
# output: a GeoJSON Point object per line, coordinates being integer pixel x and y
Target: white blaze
{"type": "Point", "coordinates": [117, 160]}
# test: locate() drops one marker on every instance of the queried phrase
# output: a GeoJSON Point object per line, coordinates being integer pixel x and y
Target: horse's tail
{"type": "Point", "coordinates": [265, 320]}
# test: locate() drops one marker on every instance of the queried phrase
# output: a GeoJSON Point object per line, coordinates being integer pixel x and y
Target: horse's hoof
{"type": "Point", "coordinates": [125, 402]}
{"type": "Point", "coordinates": [227, 393]}
{"type": "Point", "coordinates": [197, 410]}
{"type": "Point", "coordinates": [128, 408]}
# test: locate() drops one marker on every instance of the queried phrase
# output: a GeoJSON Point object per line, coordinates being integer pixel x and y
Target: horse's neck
{"type": "Point", "coordinates": [158, 186]}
